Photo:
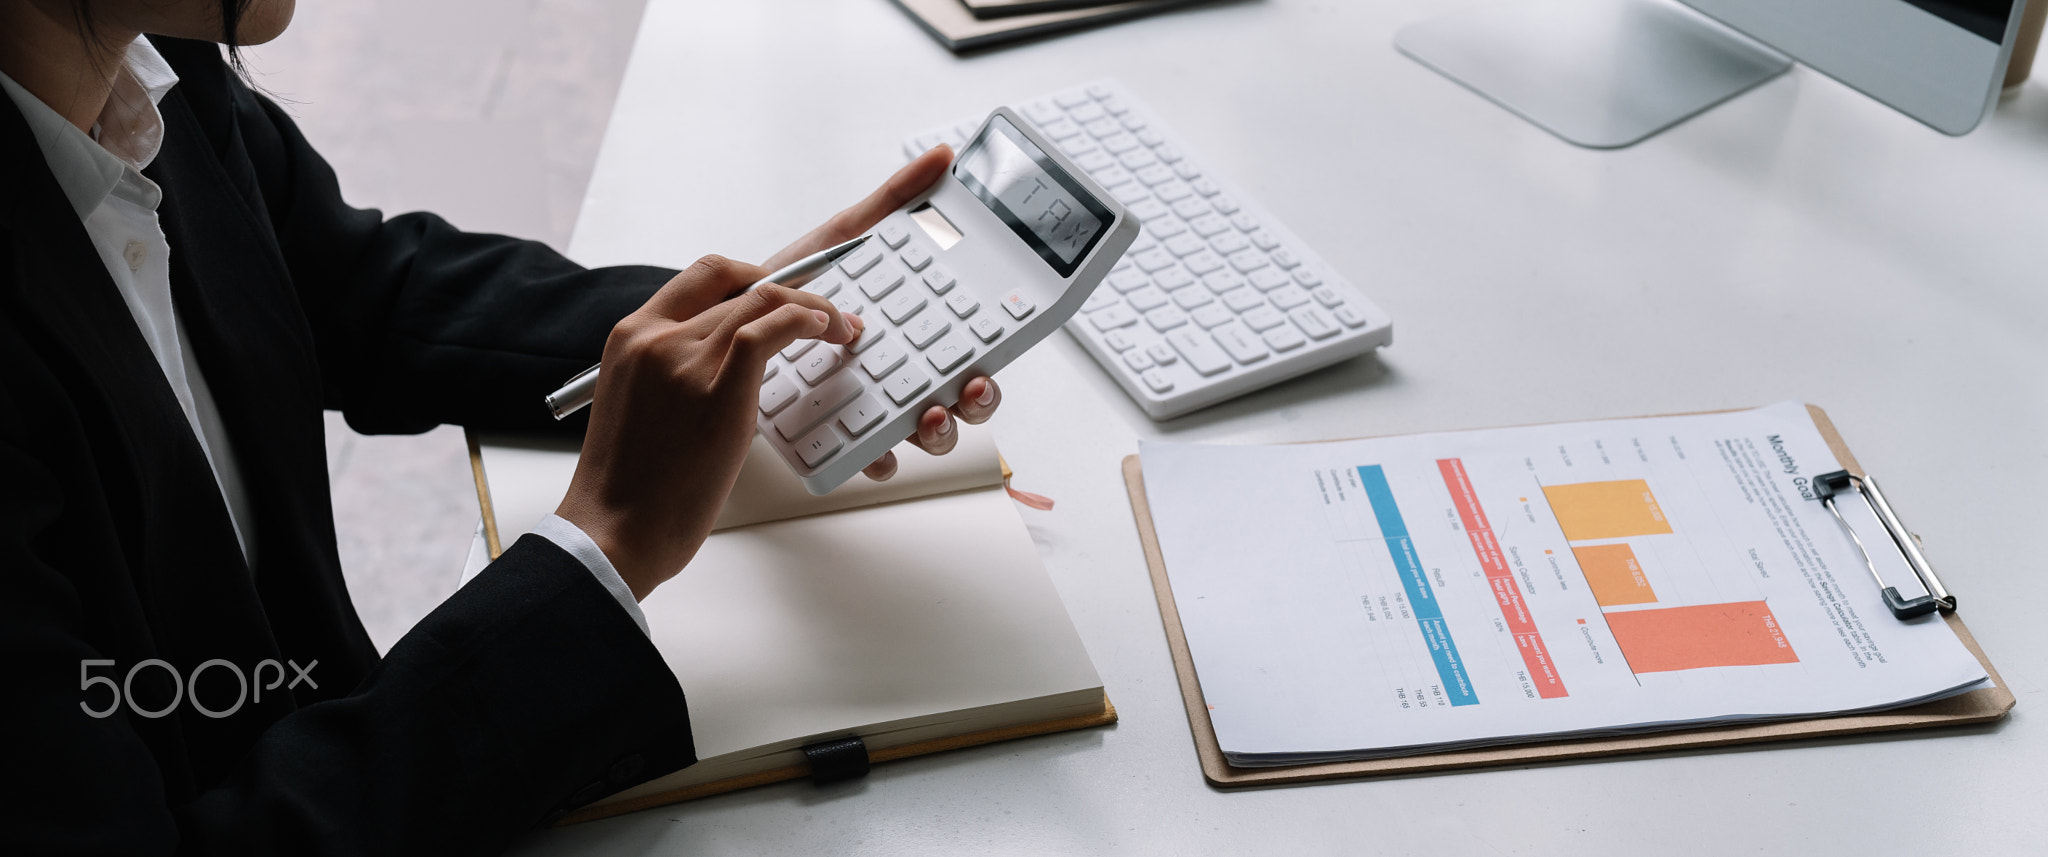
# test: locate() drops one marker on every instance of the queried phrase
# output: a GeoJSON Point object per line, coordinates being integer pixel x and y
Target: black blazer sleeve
{"type": "Point", "coordinates": [416, 323]}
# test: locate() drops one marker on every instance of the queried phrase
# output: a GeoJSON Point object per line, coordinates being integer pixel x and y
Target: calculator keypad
{"type": "Point", "coordinates": [924, 325]}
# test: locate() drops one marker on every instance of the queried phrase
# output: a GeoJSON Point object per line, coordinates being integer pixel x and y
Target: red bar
{"type": "Point", "coordinates": [1542, 673]}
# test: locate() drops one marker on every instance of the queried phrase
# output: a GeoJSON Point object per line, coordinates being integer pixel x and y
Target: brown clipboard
{"type": "Point", "coordinates": [1977, 706]}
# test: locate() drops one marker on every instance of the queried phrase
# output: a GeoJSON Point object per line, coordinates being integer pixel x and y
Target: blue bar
{"type": "Point", "coordinates": [1421, 598]}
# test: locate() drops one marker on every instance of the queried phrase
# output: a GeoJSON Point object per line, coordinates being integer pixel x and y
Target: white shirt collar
{"type": "Point", "coordinates": [130, 129]}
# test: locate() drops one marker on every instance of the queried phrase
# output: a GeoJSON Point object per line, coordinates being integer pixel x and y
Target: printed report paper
{"type": "Point", "coordinates": [1381, 597]}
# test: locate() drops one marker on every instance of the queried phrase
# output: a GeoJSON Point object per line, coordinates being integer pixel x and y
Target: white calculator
{"type": "Point", "coordinates": [995, 257]}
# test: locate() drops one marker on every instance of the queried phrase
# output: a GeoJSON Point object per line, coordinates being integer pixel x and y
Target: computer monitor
{"type": "Point", "coordinates": [1608, 73]}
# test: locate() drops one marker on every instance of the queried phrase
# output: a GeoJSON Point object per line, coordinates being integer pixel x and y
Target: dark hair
{"type": "Point", "coordinates": [230, 22]}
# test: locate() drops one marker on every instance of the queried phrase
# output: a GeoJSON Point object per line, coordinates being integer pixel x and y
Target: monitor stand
{"type": "Point", "coordinates": [1599, 73]}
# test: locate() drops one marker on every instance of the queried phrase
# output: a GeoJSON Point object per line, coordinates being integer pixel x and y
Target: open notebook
{"type": "Point", "coordinates": [913, 613]}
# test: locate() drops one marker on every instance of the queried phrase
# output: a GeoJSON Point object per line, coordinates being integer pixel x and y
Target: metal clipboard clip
{"type": "Point", "coordinates": [1827, 485]}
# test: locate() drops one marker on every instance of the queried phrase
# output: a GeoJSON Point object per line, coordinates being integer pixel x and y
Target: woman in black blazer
{"type": "Point", "coordinates": [182, 291]}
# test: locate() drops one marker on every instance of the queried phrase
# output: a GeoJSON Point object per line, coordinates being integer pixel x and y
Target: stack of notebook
{"type": "Point", "coordinates": [966, 24]}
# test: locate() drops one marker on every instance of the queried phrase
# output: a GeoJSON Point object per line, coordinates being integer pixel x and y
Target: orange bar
{"type": "Point", "coordinates": [1614, 575]}
{"type": "Point", "coordinates": [1606, 510]}
{"type": "Point", "coordinates": [1739, 634]}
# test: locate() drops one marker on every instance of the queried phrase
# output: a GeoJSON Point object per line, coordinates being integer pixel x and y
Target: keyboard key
{"type": "Point", "coordinates": [1191, 208]}
{"type": "Point", "coordinates": [879, 362]}
{"type": "Point", "coordinates": [903, 305]}
{"type": "Point", "coordinates": [1148, 211]}
{"type": "Point", "coordinates": [1263, 318]}
{"type": "Point", "coordinates": [868, 338]}
{"type": "Point", "coordinates": [987, 328]}
{"type": "Point", "coordinates": [1097, 91]}
{"type": "Point", "coordinates": [1181, 245]}
{"type": "Point", "coordinates": [1129, 193]}
{"type": "Point", "coordinates": [1248, 259]}
{"type": "Point", "coordinates": [1041, 112]}
{"type": "Point", "coordinates": [818, 364]}
{"type": "Point", "coordinates": [1077, 144]}
{"type": "Point", "coordinates": [1146, 299]}
{"type": "Point", "coordinates": [880, 282]}
{"type": "Point", "coordinates": [1101, 298]}
{"type": "Point", "coordinates": [1085, 113]}
{"type": "Point", "coordinates": [1268, 279]}
{"type": "Point", "coordinates": [818, 446]}
{"type": "Point", "coordinates": [1161, 354]}
{"type": "Point", "coordinates": [1113, 318]}
{"type": "Point", "coordinates": [1191, 298]}
{"type": "Point", "coordinates": [1138, 360]}
{"type": "Point", "coordinates": [1153, 260]}
{"type": "Point", "coordinates": [1104, 127]}
{"type": "Point", "coordinates": [1017, 305]}
{"type": "Point", "coordinates": [1117, 340]}
{"type": "Point", "coordinates": [1244, 221]}
{"type": "Point", "coordinates": [1095, 160]}
{"type": "Point", "coordinates": [776, 395]}
{"type": "Point", "coordinates": [1157, 381]}
{"type": "Point", "coordinates": [859, 261]}
{"type": "Point", "coordinates": [951, 350]}
{"type": "Point", "coordinates": [893, 233]}
{"type": "Point", "coordinates": [1115, 106]}
{"type": "Point", "coordinates": [1111, 176]}
{"type": "Point", "coordinates": [1149, 136]}
{"type": "Point", "coordinates": [963, 304]}
{"type": "Point", "coordinates": [1138, 158]}
{"type": "Point", "coordinates": [1229, 242]}
{"type": "Point", "coordinates": [1060, 129]}
{"type": "Point", "coordinates": [1212, 315]}
{"type": "Point", "coordinates": [939, 279]}
{"type": "Point", "coordinates": [813, 407]}
{"type": "Point", "coordinates": [769, 371]}
{"type": "Point", "coordinates": [1288, 297]}
{"type": "Point", "coordinates": [826, 286]}
{"type": "Point", "coordinates": [916, 257]}
{"type": "Point", "coordinates": [1166, 318]}
{"type": "Point", "coordinates": [1187, 170]}
{"type": "Point", "coordinates": [1314, 322]}
{"type": "Point", "coordinates": [797, 348]}
{"type": "Point", "coordinates": [1307, 277]}
{"type": "Point", "coordinates": [1223, 281]}
{"type": "Point", "coordinates": [1173, 278]}
{"type": "Point", "coordinates": [1243, 299]}
{"type": "Point", "coordinates": [1244, 346]}
{"type": "Point", "coordinates": [1350, 316]}
{"type": "Point", "coordinates": [1154, 174]}
{"type": "Point", "coordinates": [865, 413]}
{"type": "Point", "coordinates": [1264, 240]}
{"type": "Point", "coordinates": [1131, 120]}
{"type": "Point", "coordinates": [1174, 190]}
{"type": "Point", "coordinates": [1071, 100]}
{"type": "Point", "coordinates": [1327, 296]}
{"type": "Point", "coordinates": [925, 328]}
{"type": "Point", "coordinates": [905, 383]}
{"type": "Point", "coordinates": [1204, 186]}
{"type": "Point", "coordinates": [1224, 204]}
{"type": "Point", "coordinates": [1121, 143]}
{"type": "Point", "coordinates": [1166, 153]}
{"type": "Point", "coordinates": [1199, 350]}
{"type": "Point", "coordinates": [1202, 262]}
{"type": "Point", "coordinates": [1129, 280]}
{"type": "Point", "coordinates": [849, 304]}
{"type": "Point", "coordinates": [1285, 259]}
{"type": "Point", "coordinates": [1209, 224]}
{"type": "Point", "coordinates": [1284, 338]}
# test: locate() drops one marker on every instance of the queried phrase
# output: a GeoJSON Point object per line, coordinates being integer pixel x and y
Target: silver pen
{"type": "Point", "coordinates": [579, 390]}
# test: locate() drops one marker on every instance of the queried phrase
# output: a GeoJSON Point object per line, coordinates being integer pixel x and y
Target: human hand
{"type": "Point", "coordinates": [674, 412]}
{"type": "Point", "coordinates": [936, 430]}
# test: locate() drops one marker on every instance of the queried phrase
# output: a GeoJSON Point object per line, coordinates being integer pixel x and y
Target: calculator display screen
{"type": "Point", "coordinates": [1040, 202]}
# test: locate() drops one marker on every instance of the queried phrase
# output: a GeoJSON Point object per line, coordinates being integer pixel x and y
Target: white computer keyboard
{"type": "Point", "coordinates": [1216, 298]}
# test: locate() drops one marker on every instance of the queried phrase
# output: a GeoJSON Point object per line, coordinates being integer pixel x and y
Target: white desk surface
{"type": "Point", "coordinates": [1801, 241]}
